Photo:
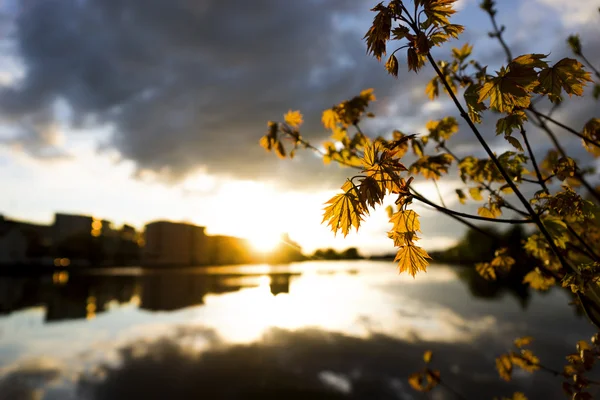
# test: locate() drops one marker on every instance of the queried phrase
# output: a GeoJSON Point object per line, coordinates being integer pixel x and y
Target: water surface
{"type": "Point", "coordinates": [352, 329]}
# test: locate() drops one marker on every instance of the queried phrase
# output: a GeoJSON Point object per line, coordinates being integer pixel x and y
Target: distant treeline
{"type": "Point", "coordinates": [330, 254]}
{"type": "Point", "coordinates": [476, 246]}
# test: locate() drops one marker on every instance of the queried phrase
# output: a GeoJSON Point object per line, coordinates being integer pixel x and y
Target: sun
{"type": "Point", "coordinates": [265, 242]}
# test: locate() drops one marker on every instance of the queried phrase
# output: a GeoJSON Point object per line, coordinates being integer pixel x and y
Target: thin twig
{"type": "Point", "coordinates": [469, 216]}
{"type": "Point", "coordinates": [565, 127]}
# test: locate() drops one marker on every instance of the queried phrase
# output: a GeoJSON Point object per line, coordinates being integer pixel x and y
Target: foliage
{"type": "Point", "coordinates": [563, 212]}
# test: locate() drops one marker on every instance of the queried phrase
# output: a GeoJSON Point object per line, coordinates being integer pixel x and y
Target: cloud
{"type": "Point", "coordinates": [574, 13]}
{"type": "Point", "coordinates": [184, 85]}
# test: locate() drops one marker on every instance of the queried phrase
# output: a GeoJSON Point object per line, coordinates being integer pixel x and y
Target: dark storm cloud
{"type": "Point", "coordinates": [188, 84]}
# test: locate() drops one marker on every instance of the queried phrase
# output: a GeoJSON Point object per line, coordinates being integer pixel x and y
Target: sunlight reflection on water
{"type": "Point", "coordinates": [47, 322]}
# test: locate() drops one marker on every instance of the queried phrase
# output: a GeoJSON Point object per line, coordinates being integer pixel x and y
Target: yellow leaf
{"type": "Point", "coordinates": [509, 89]}
{"type": "Point", "coordinates": [339, 134]}
{"type": "Point", "coordinates": [462, 53]}
{"type": "Point", "coordinates": [518, 396]}
{"type": "Point", "coordinates": [567, 74]}
{"type": "Point", "coordinates": [412, 259]}
{"type": "Point", "coordinates": [343, 212]}
{"type": "Point", "coordinates": [367, 95]}
{"type": "Point", "coordinates": [504, 367]}
{"type": "Point", "coordinates": [486, 271]}
{"type": "Point", "coordinates": [392, 65]}
{"type": "Point", "coordinates": [293, 118]}
{"type": "Point", "coordinates": [591, 130]}
{"type": "Point", "coordinates": [526, 360]}
{"type": "Point", "coordinates": [461, 196]}
{"type": "Point", "coordinates": [476, 193]}
{"type": "Point", "coordinates": [485, 212]}
{"type": "Point", "coordinates": [266, 142]}
{"type": "Point", "coordinates": [415, 381]}
{"type": "Point", "coordinates": [503, 262]}
{"type": "Point", "coordinates": [279, 149]}
{"type": "Point", "coordinates": [406, 221]}
{"type": "Point", "coordinates": [370, 155]}
{"type": "Point", "coordinates": [538, 281]}
{"type": "Point", "coordinates": [427, 356]}
{"type": "Point", "coordinates": [329, 119]}
{"type": "Point", "coordinates": [523, 341]}
{"type": "Point", "coordinates": [370, 192]}
{"type": "Point", "coordinates": [433, 88]}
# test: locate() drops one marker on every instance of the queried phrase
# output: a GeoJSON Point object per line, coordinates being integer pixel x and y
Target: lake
{"type": "Point", "coordinates": [322, 330]}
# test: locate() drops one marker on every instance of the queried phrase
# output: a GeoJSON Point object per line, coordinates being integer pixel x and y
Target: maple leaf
{"type": "Point", "coordinates": [511, 122]}
{"type": "Point", "coordinates": [518, 396]}
{"type": "Point", "coordinates": [267, 142]}
{"type": "Point", "coordinates": [412, 259]}
{"type": "Point", "coordinates": [526, 360]}
{"type": "Point", "coordinates": [370, 157]}
{"type": "Point", "coordinates": [438, 11]}
{"type": "Point", "coordinates": [461, 196]}
{"type": "Point", "coordinates": [406, 221]}
{"type": "Point", "coordinates": [492, 212]}
{"type": "Point", "coordinates": [339, 134]}
{"type": "Point", "coordinates": [427, 356]}
{"type": "Point", "coordinates": [279, 149]}
{"type": "Point", "coordinates": [523, 341]}
{"type": "Point", "coordinates": [392, 65]}
{"type": "Point", "coordinates": [370, 192]}
{"type": "Point", "coordinates": [486, 271]}
{"type": "Point", "coordinates": [514, 142]}
{"type": "Point", "coordinates": [463, 53]}
{"type": "Point", "coordinates": [329, 119]}
{"type": "Point", "coordinates": [509, 89]}
{"type": "Point", "coordinates": [379, 33]}
{"type": "Point", "coordinates": [568, 75]}
{"type": "Point", "coordinates": [475, 193]}
{"type": "Point", "coordinates": [433, 88]}
{"type": "Point", "coordinates": [442, 129]}
{"type": "Point", "coordinates": [538, 281]}
{"type": "Point", "coordinates": [474, 106]}
{"type": "Point", "coordinates": [343, 212]}
{"type": "Point", "coordinates": [504, 366]}
{"type": "Point", "coordinates": [293, 118]}
{"type": "Point", "coordinates": [503, 262]}
{"type": "Point", "coordinates": [591, 131]}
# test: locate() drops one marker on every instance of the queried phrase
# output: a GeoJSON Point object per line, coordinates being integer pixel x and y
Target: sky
{"type": "Point", "coordinates": [135, 111]}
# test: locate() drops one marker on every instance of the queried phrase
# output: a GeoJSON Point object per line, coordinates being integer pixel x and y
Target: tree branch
{"type": "Point", "coordinates": [445, 210]}
{"type": "Point", "coordinates": [565, 127]}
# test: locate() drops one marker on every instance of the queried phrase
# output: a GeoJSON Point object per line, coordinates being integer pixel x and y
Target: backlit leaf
{"type": "Point", "coordinates": [279, 149]}
{"type": "Point", "coordinates": [504, 367]}
{"type": "Point", "coordinates": [486, 271]}
{"type": "Point", "coordinates": [503, 262]}
{"type": "Point", "coordinates": [514, 142]}
{"type": "Point", "coordinates": [523, 341]}
{"type": "Point", "coordinates": [392, 65]}
{"type": "Point", "coordinates": [427, 356]}
{"type": "Point", "coordinates": [568, 75]}
{"type": "Point", "coordinates": [591, 130]}
{"type": "Point", "coordinates": [343, 212]}
{"type": "Point", "coordinates": [412, 259]}
{"type": "Point", "coordinates": [509, 89]}
{"type": "Point", "coordinates": [329, 119]}
{"type": "Point", "coordinates": [538, 281]}
{"type": "Point", "coordinates": [475, 193]}
{"type": "Point", "coordinates": [462, 53]}
{"type": "Point", "coordinates": [461, 196]}
{"type": "Point", "coordinates": [293, 118]}
{"type": "Point", "coordinates": [406, 221]}
{"type": "Point", "coordinates": [511, 122]}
